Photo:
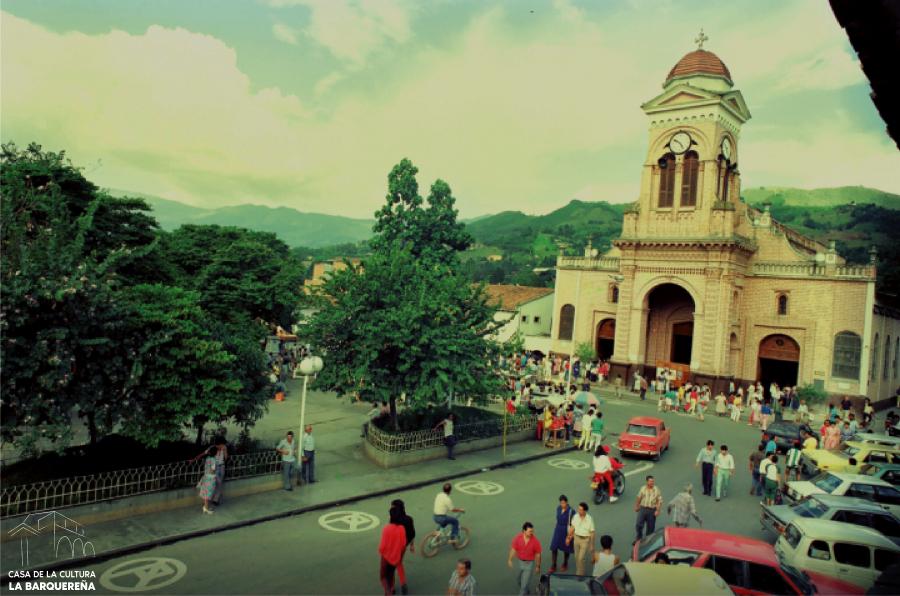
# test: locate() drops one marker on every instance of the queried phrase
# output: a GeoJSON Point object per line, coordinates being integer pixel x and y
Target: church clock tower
{"type": "Point", "coordinates": [690, 185]}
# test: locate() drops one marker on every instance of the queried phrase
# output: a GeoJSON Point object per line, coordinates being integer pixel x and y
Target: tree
{"type": "Point", "coordinates": [405, 321]}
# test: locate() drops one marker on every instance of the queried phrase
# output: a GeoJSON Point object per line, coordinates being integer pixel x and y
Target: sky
{"type": "Point", "coordinates": [517, 104]}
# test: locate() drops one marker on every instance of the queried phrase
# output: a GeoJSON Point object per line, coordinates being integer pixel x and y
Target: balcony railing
{"type": "Point", "coordinates": [813, 270]}
{"type": "Point", "coordinates": [593, 264]}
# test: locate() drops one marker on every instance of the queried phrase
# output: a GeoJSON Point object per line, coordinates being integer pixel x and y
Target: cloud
{"type": "Point", "coordinates": [284, 33]}
{"type": "Point", "coordinates": [353, 29]}
{"type": "Point", "coordinates": [513, 116]}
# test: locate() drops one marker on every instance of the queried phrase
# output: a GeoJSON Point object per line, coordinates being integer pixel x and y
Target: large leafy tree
{"type": "Point", "coordinates": [405, 321]}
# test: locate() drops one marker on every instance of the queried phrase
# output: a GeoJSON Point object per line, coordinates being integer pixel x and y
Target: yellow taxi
{"type": "Point", "coordinates": [850, 459]}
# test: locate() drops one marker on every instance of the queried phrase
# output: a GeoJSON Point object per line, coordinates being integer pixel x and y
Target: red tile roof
{"type": "Point", "coordinates": [699, 62]}
{"type": "Point", "coordinates": [512, 297]}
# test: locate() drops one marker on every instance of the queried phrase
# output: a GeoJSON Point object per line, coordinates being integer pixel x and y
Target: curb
{"type": "Point", "coordinates": [140, 547]}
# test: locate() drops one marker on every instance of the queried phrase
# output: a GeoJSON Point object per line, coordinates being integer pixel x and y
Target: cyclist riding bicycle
{"type": "Point", "coordinates": [443, 506]}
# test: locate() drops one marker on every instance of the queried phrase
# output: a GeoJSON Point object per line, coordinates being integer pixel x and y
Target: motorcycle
{"type": "Point", "coordinates": [601, 487]}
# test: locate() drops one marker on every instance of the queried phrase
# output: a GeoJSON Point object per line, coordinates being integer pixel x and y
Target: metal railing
{"type": "Point", "coordinates": [426, 439]}
{"type": "Point", "coordinates": [83, 490]}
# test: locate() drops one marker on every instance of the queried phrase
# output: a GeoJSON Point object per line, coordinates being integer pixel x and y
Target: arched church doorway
{"type": "Point", "coordinates": [606, 339]}
{"type": "Point", "coordinates": [670, 324]}
{"type": "Point", "coordinates": [779, 361]}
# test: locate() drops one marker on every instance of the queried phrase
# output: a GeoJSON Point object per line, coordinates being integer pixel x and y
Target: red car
{"type": "Point", "coordinates": [749, 566]}
{"type": "Point", "coordinates": [644, 435]}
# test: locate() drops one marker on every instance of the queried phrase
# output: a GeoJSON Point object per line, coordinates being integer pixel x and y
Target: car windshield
{"type": "Point", "coordinates": [641, 429]}
{"type": "Point", "coordinates": [651, 544]}
{"type": "Point", "coordinates": [810, 508]}
{"type": "Point", "coordinates": [827, 482]}
{"type": "Point", "coordinates": [850, 451]}
{"type": "Point", "coordinates": [799, 577]}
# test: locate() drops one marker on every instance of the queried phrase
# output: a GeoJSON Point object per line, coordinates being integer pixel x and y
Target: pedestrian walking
{"type": "Point", "coordinates": [643, 388]}
{"type": "Point", "coordinates": [221, 457]}
{"type": "Point", "coordinates": [308, 461]}
{"type": "Point", "coordinates": [206, 487]}
{"type": "Point", "coordinates": [682, 508]}
{"type": "Point", "coordinates": [581, 534]}
{"type": "Point", "coordinates": [288, 450]}
{"type": "Point", "coordinates": [449, 437]}
{"type": "Point", "coordinates": [723, 471]}
{"type": "Point", "coordinates": [721, 408]}
{"type": "Point", "coordinates": [756, 458]}
{"type": "Point", "coordinates": [586, 421]}
{"type": "Point", "coordinates": [596, 431]}
{"type": "Point", "coordinates": [736, 408]}
{"type": "Point", "coordinates": [706, 460]}
{"type": "Point", "coordinates": [526, 548]}
{"type": "Point", "coordinates": [605, 560]}
{"type": "Point", "coordinates": [769, 471]}
{"type": "Point", "coordinates": [559, 541]}
{"type": "Point", "coordinates": [765, 413]}
{"type": "Point", "coordinates": [410, 527]}
{"type": "Point", "coordinates": [647, 505]}
{"type": "Point", "coordinates": [462, 582]}
{"type": "Point", "coordinates": [792, 462]}
{"type": "Point", "coordinates": [393, 543]}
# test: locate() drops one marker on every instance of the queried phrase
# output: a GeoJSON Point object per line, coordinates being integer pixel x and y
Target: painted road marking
{"type": "Point", "coordinates": [639, 469]}
{"type": "Point", "coordinates": [479, 488]}
{"type": "Point", "coordinates": [348, 521]}
{"type": "Point", "coordinates": [142, 575]}
{"type": "Point", "coordinates": [568, 464]}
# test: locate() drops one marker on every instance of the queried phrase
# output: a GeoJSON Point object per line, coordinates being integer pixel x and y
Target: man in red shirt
{"type": "Point", "coordinates": [527, 549]}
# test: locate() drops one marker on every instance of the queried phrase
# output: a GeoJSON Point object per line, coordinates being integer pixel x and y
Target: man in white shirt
{"type": "Point", "coordinates": [443, 506]}
{"type": "Point", "coordinates": [586, 420]}
{"type": "Point", "coordinates": [449, 437]}
{"type": "Point", "coordinates": [581, 532]}
{"type": "Point", "coordinates": [308, 461]}
{"type": "Point", "coordinates": [723, 471]}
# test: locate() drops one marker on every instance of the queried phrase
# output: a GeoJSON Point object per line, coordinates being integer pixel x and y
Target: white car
{"type": "Point", "coordinates": [849, 485]}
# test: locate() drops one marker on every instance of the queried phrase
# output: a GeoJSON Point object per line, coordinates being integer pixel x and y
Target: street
{"type": "Point", "coordinates": [301, 555]}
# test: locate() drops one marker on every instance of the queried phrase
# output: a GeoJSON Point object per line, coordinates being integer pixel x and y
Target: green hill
{"type": "Point", "coordinates": [294, 227]}
{"type": "Point", "coordinates": [820, 197]}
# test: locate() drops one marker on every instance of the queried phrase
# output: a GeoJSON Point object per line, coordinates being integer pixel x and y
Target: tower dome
{"type": "Point", "coordinates": [699, 63]}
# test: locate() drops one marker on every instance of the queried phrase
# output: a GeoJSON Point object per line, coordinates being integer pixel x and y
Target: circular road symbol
{"type": "Point", "coordinates": [348, 521]}
{"type": "Point", "coordinates": [143, 575]}
{"type": "Point", "coordinates": [479, 488]}
{"type": "Point", "coordinates": [568, 464]}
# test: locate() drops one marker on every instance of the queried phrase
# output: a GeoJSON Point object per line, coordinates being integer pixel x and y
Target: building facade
{"type": "Point", "coordinates": [525, 310]}
{"type": "Point", "coordinates": [699, 278]}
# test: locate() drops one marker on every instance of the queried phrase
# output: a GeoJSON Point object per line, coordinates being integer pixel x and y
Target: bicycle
{"type": "Point", "coordinates": [435, 539]}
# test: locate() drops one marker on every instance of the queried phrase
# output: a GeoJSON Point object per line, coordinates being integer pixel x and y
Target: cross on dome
{"type": "Point", "coordinates": [701, 39]}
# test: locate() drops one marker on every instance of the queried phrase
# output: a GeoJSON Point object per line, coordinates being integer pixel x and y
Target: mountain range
{"type": "Point", "coordinates": [575, 223]}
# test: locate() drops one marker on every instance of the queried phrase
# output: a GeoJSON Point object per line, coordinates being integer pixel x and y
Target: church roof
{"type": "Point", "coordinates": [699, 62]}
{"type": "Point", "coordinates": [509, 297]}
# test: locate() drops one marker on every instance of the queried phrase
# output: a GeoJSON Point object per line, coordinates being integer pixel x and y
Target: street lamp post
{"type": "Point", "coordinates": [308, 366]}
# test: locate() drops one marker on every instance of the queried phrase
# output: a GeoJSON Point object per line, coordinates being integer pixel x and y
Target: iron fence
{"type": "Point", "coordinates": [83, 490]}
{"type": "Point", "coordinates": [426, 439]}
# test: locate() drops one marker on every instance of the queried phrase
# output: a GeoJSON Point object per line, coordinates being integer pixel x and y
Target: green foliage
{"type": "Point", "coordinates": [406, 322]}
{"type": "Point", "coordinates": [812, 394]}
{"type": "Point", "coordinates": [584, 351]}
{"type": "Point", "coordinates": [133, 330]}
{"type": "Point", "coordinates": [424, 418]}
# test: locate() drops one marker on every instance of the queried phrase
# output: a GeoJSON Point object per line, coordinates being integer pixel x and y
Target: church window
{"type": "Point", "coordinates": [667, 180]}
{"type": "Point", "coordinates": [846, 358]}
{"type": "Point", "coordinates": [723, 167]}
{"type": "Point", "coordinates": [887, 359]}
{"type": "Point", "coordinates": [782, 304]}
{"type": "Point", "coordinates": [613, 293]}
{"type": "Point", "coordinates": [689, 172]}
{"type": "Point", "coordinates": [873, 372]}
{"type": "Point", "coordinates": [566, 321]}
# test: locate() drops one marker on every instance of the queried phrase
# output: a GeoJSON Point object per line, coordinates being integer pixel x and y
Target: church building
{"type": "Point", "coordinates": [702, 282]}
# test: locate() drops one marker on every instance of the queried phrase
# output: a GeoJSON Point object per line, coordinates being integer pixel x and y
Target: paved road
{"type": "Point", "coordinates": [298, 555]}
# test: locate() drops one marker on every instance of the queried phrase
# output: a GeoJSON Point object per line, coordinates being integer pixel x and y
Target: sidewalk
{"type": "Point", "coordinates": [343, 476]}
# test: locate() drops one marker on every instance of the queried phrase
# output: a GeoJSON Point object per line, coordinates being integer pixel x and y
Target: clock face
{"type": "Point", "coordinates": [726, 148]}
{"type": "Point", "coordinates": [681, 142]}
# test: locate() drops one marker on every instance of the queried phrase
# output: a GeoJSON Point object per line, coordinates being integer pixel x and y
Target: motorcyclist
{"type": "Point", "coordinates": [604, 466]}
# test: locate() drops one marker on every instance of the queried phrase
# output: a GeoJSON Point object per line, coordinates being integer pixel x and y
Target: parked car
{"type": "Point", "coordinates": [748, 566]}
{"type": "Point", "coordinates": [878, 439]}
{"type": "Point", "coordinates": [635, 579]}
{"type": "Point", "coordinates": [785, 433]}
{"type": "Point", "coordinates": [850, 510]}
{"type": "Point", "coordinates": [890, 473]}
{"type": "Point", "coordinates": [851, 553]}
{"type": "Point", "coordinates": [645, 435]}
{"type": "Point", "coordinates": [849, 459]}
{"type": "Point", "coordinates": [851, 485]}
